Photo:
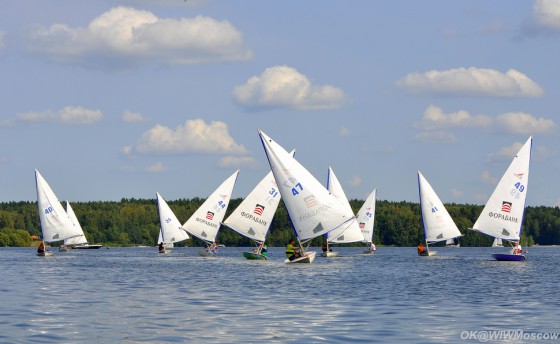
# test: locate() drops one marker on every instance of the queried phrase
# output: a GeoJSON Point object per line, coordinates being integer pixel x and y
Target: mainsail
{"type": "Point", "coordinates": [55, 223]}
{"type": "Point", "coordinates": [366, 217]}
{"type": "Point", "coordinates": [171, 230]}
{"type": "Point", "coordinates": [312, 210]}
{"type": "Point", "coordinates": [79, 239]}
{"type": "Point", "coordinates": [350, 231]}
{"type": "Point", "coordinates": [438, 224]}
{"type": "Point", "coordinates": [205, 222]}
{"type": "Point", "coordinates": [503, 214]}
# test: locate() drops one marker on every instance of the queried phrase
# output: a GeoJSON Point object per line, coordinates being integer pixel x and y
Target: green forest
{"type": "Point", "coordinates": [135, 222]}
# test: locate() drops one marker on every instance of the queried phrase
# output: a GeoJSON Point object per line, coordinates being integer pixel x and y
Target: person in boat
{"type": "Point", "coordinates": [372, 247]}
{"type": "Point", "coordinates": [516, 249]}
{"type": "Point", "coordinates": [325, 246]}
{"type": "Point", "coordinates": [264, 250]}
{"type": "Point", "coordinates": [41, 248]}
{"type": "Point", "coordinates": [291, 251]}
{"type": "Point", "coordinates": [214, 248]}
{"type": "Point", "coordinates": [161, 249]}
{"type": "Point", "coordinates": [421, 248]}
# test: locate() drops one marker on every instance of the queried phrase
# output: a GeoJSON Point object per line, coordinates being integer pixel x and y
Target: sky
{"type": "Point", "coordinates": [122, 99]}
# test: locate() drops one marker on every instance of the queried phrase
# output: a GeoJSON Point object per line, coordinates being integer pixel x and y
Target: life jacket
{"type": "Point", "coordinates": [290, 250]}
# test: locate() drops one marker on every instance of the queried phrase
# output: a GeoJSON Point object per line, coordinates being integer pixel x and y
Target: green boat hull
{"type": "Point", "coordinates": [253, 256]}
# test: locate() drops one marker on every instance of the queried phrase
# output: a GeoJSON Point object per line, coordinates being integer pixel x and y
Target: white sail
{"type": "Point", "coordinates": [503, 214]}
{"type": "Point", "coordinates": [205, 222]}
{"type": "Point", "coordinates": [171, 230]}
{"type": "Point", "coordinates": [312, 210]}
{"type": "Point", "coordinates": [438, 224]}
{"type": "Point", "coordinates": [497, 243]}
{"type": "Point", "coordinates": [55, 223]}
{"type": "Point", "coordinates": [79, 239]}
{"type": "Point", "coordinates": [350, 231]}
{"type": "Point", "coordinates": [253, 216]}
{"type": "Point", "coordinates": [366, 217]}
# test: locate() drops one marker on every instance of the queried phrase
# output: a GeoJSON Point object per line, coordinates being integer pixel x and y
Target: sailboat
{"type": "Point", "coordinates": [205, 222]}
{"type": "Point", "coordinates": [171, 230]}
{"type": "Point", "coordinates": [502, 215]}
{"type": "Point", "coordinates": [312, 210]}
{"type": "Point", "coordinates": [253, 216]}
{"type": "Point", "coordinates": [55, 223]}
{"type": "Point", "coordinates": [79, 242]}
{"type": "Point", "coordinates": [366, 221]}
{"type": "Point", "coordinates": [497, 243]}
{"type": "Point", "coordinates": [438, 224]}
{"type": "Point", "coordinates": [348, 233]}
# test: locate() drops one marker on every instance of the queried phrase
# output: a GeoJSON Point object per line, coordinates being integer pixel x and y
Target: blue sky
{"type": "Point", "coordinates": [112, 99]}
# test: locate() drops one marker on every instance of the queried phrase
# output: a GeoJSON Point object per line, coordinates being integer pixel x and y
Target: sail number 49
{"type": "Point", "coordinates": [517, 190]}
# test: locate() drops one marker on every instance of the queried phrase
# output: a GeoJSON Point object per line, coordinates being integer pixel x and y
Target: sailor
{"type": "Point", "coordinates": [420, 248]}
{"type": "Point", "coordinates": [291, 251]}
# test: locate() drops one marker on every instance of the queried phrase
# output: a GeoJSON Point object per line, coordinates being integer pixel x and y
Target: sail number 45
{"type": "Point", "coordinates": [517, 190]}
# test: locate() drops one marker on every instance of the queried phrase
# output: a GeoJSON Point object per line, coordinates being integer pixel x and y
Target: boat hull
{"type": "Point", "coordinates": [505, 257]}
{"type": "Point", "coordinates": [206, 254]}
{"type": "Point", "coordinates": [253, 256]}
{"type": "Point", "coordinates": [369, 252]}
{"type": "Point", "coordinates": [308, 258]}
{"type": "Point", "coordinates": [427, 254]}
{"type": "Point", "coordinates": [44, 254]}
{"type": "Point", "coordinates": [329, 254]}
{"type": "Point", "coordinates": [165, 251]}
{"type": "Point", "coordinates": [87, 247]}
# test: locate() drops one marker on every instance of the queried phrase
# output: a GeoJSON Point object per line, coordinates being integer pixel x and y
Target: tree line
{"type": "Point", "coordinates": [136, 222]}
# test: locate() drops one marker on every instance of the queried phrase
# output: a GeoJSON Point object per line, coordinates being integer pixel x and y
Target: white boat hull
{"type": "Point", "coordinates": [206, 254]}
{"type": "Point", "coordinates": [369, 252]}
{"type": "Point", "coordinates": [165, 251]}
{"type": "Point", "coordinates": [44, 254]}
{"type": "Point", "coordinates": [428, 254]}
{"type": "Point", "coordinates": [308, 258]}
{"type": "Point", "coordinates": [329, 254]}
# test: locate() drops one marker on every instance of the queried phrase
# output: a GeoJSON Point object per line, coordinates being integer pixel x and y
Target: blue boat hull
{"type": "Point", "coordinates": [509, 257]}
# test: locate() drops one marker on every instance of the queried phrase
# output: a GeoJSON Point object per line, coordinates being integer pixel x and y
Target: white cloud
{"type": "Point", "coordinates": [472, 81]}
{"type": "Point", "coordinates": [344, 132]}
{"type": "Point", "coordinates": [285, 87]}
{"type": "Point", "coordinates": [133, 117]}
{"type": "Point", "coordinates": [524, 123]}
{"type": "Point", "coordinates": [237, 161]}
{"type": "Point", "coordinates": [488, 179]}
{"type": "Point", "coordinates": [435, 137]}
{"type": "Point", "coordinates": [195, 136]}
{"type": "Point", "coordinates": [547, 14]}
{"type": "Point", "coordinates": [66, 115]}
{"type": "Point", "coordinates": [123, 37]}
{"type": "Point", "coordinates": [434, 118]}
{"type": "Point", "coordinates": [456, 193]}
{"type": "Point", "coordinates": [355, 181]}
{"type": "Point", "coordinates": [158, 167]}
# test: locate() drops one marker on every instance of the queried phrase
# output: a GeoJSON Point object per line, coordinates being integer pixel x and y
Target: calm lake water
{"type": "Point", "coordinates": [130, 295]}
